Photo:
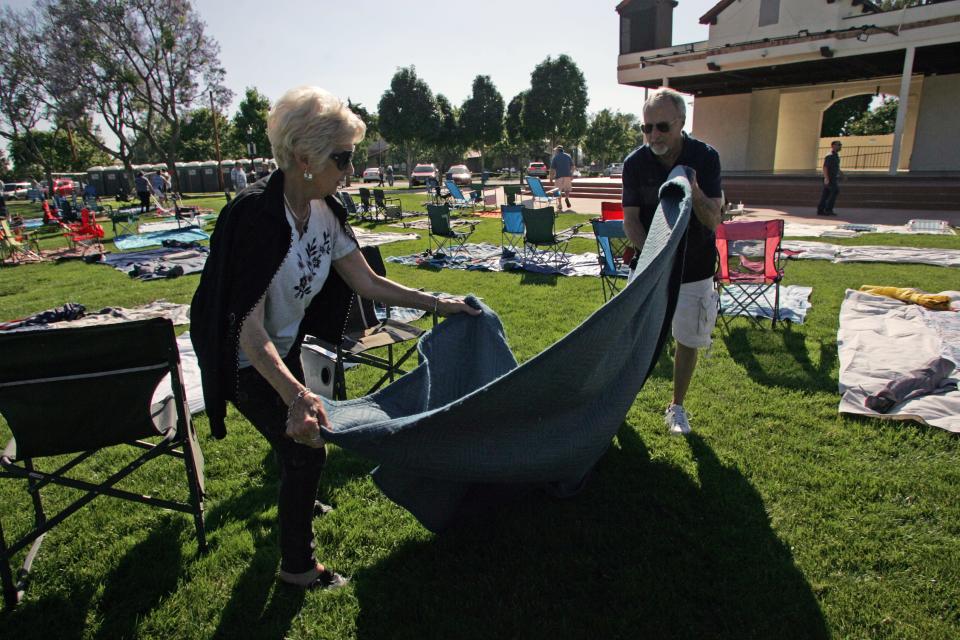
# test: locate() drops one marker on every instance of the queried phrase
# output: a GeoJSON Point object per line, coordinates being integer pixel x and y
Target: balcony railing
{"type": "Point", "coordinates": [859, 157]}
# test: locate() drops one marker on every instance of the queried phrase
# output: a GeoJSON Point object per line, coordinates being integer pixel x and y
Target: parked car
{"type": "Point", "coordinates": [64, 187]}
{"type": "Point", "coordinates": [537, 169]}
{"type": "Point", "coordinates": [614, 170]}
{"type": "Point", "coordinates": [421, 172]}
{"type": "Point", "coordinates": [15, 190]}
{"type": "Point", "coordinates": [371, 174]}
{"type": "Point", "coordinates": [460, 174]}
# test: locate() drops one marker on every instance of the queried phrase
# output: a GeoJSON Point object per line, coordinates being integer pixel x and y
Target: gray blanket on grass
{"type": "Point", "coordinates": [467, 414]}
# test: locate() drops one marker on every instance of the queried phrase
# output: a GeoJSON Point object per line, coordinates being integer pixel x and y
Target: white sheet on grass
{"type": "Point", "coordinates": [794, 303]}
{"type": "Point", "coordinates": [190, 368]}
{"type": "Point", "coordinates": [810, 250]}
{"type": "Point", "coordinates": [881, 339]}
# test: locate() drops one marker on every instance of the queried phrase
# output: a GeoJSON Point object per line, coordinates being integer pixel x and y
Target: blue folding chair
{"type": "Point", "coordinates": [540, 194]}
{"type": "Point", "coordinates": [611, 240]}
{"type": "Point", "coordinates": [512, 230]}
{"type": "Point", "coordinates": [458, 200]}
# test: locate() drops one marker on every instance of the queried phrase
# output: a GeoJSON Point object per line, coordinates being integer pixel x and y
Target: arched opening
{"type": "Point", "coordinates": [865, 124]}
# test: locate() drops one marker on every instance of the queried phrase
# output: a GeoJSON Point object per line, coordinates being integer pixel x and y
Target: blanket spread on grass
{"type": "Point", "coordinates": [467, 414]}
{"type": "Point", "coordinates": [839, 253]}
{"type": "Point", "coordinates": [156, 238]}
{"type": "Point", "coordinates": [794, 303]}
{"type": "Point", "coordinates": [882, 339]}
{"type": "Point", "coordinates": [491, 257]}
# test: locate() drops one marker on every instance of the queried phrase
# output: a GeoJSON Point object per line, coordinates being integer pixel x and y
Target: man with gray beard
{"type": "Point", "coordinates": [644, 171]}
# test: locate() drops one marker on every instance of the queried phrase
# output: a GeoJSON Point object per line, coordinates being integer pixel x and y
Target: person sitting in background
{"type": "Point", "coordinates": [281, 258]}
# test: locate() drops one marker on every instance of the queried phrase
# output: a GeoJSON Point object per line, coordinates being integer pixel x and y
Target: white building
{"type": "Point", "coordinates": [770, 69]}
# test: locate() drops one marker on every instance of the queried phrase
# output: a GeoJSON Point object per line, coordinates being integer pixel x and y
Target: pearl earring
{"type": "Point", "coordinates": [307, 175]}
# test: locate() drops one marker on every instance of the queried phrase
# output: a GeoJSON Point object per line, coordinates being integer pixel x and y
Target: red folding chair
{"type": "Point", "coordinates": [611, 211]}
{"type": "Point", "coordinates": [750, 267]}
{"type": "Point", "coordinates": [87, 234]}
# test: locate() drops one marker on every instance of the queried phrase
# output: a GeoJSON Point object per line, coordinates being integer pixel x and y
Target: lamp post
{"type": "Point", "coordinates": [251, 151]}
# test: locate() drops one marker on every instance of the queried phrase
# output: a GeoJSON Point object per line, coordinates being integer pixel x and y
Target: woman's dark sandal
{"type": "Point", "coordinates": [323, 579]}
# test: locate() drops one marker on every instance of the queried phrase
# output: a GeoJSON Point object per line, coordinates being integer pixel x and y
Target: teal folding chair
{"type": "Point", "coordinates": [611, 242]}
{"type": "Point", "coordinates": [441, 233]}
{"type": "Point", "coordinates": [540, 194]}
{"type": "Point", "coordinates": [457, 199]}
{"type": "Point", "coordinates": [512, 229]}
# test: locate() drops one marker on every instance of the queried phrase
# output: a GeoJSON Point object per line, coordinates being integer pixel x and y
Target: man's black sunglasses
{"type": "Point", "coordinates": [662, 127]}
{"type": "Point", "coordinates": [342, 159]}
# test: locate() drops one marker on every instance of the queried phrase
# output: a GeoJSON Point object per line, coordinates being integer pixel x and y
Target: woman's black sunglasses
{"type": "Point", "coordinates": [662, 127]}
{"type": "Point", "coordinates": [342, 159]}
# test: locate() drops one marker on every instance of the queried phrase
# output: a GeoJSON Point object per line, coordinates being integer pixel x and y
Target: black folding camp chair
{"type": "Point", "coordinates": [367, 206]}
{"type": "Point", "coordinates": [128, 360]}
{"type": "Point", "coordinates": [441, 232]}
{"type": "Point", "coordinates": [389, 207]}
{"type": "Point", "coordinates": [365, 332]}
{"type": "Point", "coordinates": [544, 245]}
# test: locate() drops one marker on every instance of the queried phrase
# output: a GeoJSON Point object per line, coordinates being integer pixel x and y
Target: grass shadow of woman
{"type": "Point", "coordinates": [643, 551]}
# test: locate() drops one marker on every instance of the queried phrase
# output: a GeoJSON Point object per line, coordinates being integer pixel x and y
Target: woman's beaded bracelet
{"type": "Point", "coordinates": [303, 393]}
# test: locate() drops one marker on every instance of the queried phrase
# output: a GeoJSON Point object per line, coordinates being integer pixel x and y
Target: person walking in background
{"type": "Point", "coordinates": [390, 175]}
{"type": "Point", "coordinates": [644, 171]}
{"type": "Point", "coordinates": [831, 180]}
{"type": "Point", "coordinates": [238, 177]}
{"type": "Point", "coordinates": [142, 186]}
{"type": "Point", "coordinates": [156, 181]}
{"type": "Point", "coordinates": [561, 172]}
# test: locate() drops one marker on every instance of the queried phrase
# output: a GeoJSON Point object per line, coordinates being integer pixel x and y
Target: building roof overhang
{"type": "Point", "coordinates": [929, 60]}
{"type": "Point", "coordinates": [710, 17]}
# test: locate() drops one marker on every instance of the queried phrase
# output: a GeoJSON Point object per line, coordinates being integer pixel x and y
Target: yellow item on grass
{"type": "Point", "coordinates": [935, 301]}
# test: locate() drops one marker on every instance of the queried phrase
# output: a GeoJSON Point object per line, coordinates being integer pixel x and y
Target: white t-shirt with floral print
{"type": "Point", "coordinates": [302, 274]}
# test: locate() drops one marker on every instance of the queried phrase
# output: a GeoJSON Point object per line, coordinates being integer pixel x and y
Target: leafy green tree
{"type": "Point", "coordinates": [448, 142]}
{"type": "Point", "coordinates": [481, 117]}
{"type": "Point", "coordinates": [250, 124]}
{"type": "Point", "coordinates": [841, 112]}
{"type": "Point", "coordinates": [155, 52]}
{"type": "Point", "coordinates": [555, 108]}
{"type": "Point", "coordinates": [408, 114]}
{"type": "Point", "coordinates": [23, 99]}
{"type": "Point", "coordinates": [611, 136]}
{"type": "Point", "coordinates": [197, 141]}
{"type": "Point", "coordinates": [361, 153]}
{"type": "Point", "coordinates": [56, 147]}
{"type": "Point", "coordinates": [878, 121]}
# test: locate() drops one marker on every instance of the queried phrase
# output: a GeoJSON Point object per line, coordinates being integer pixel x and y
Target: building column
{"type": "Point", "coordinates": [902, 108]}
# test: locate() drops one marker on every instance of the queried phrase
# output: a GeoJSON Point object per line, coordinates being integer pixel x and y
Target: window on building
{"type": "Point", "coordinates": [769, 12]}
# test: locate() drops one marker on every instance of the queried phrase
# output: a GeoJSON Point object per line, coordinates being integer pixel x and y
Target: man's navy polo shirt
{"type": "Point", "coordinates": [643, 175]}
{"type": "Point", "coordinates": [562, 163]}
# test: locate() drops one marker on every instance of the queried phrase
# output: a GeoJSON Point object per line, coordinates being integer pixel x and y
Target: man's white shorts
{"type": "Point", "coordinates": [696, 314]}
{"type": "Point", "coordinates": [564, 184]}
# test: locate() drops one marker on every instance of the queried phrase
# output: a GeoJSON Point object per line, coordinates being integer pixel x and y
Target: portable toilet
{"type": "Point", "coordinates": [112, 178]}
{"type": "Point", "coordinates": [208, 170]}
{"type": "Point", "coordinates": [183, 177]}
{"type": "Point", "coordinates": [194, 182]}
{"type": "Point", "coordinates": [95, 177]}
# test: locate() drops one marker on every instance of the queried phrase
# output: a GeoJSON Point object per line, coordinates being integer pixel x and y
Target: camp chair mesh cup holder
{"type": "Point", "coordinates": [543, 245]}
{"type": "Point", "coordinates": [745, 280]}
{"type": "Point", "coordinates": [130, 359]}
{"type": "Point", "coordinates": [362, 332]}
{"type": "Point", "coordinates": [441, 234]}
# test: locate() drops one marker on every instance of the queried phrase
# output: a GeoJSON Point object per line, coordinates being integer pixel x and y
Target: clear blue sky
{"type": "Point", "coordinates": [353, 48]}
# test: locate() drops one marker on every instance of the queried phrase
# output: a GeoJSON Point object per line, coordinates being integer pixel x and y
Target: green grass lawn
{"type": "Point", "coordinates": [778, 518]}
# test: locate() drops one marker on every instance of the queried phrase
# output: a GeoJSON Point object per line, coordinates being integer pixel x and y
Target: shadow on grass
{"type": "Point", "coordinates": [643, 551]}
{"type": "Point", "coordinates": [145, 576]}
{"type": "Point", "coordinates": [779, 357]}
{"type": "Point", "coordinates": [534, 278]}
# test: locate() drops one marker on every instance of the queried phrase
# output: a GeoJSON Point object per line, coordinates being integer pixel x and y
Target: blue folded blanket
{"type": "Point", "coordinates": [156, 238]}
{"type": "Point", "coordinates": [467, 414]}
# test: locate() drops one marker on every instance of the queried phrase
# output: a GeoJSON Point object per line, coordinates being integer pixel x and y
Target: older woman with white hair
{"type": "Point", "coordinates": [267, 282]}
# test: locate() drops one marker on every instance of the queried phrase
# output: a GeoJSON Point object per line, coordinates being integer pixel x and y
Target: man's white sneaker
{"type": "Point", "coordinates": [676, 419]}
